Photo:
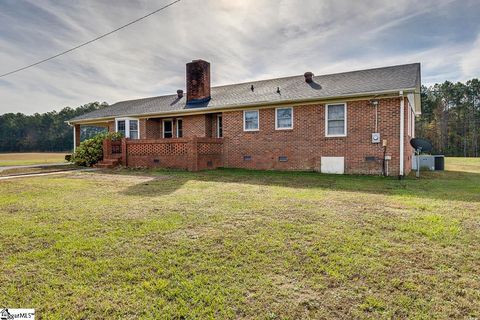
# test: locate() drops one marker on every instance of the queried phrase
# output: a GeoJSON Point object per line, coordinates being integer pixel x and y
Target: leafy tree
{"type": "Point", "coordinates": [451, 117]}
{"type": "Point", "coordinates": [43, 132]}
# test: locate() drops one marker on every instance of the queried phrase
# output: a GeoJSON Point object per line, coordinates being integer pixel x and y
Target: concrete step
{"type": "Point", "coordinates": [103, 166]}
{"type": "Point", "coordinates": [112, 161]}
{"type": "Point", "coordinates": [107, 163]}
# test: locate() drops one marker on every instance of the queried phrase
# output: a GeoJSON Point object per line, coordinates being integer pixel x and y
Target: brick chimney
{"type": "Point", "coordinates": [198, 81]}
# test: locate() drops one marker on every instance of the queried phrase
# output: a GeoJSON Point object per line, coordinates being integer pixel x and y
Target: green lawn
{"type": "Point", "coordinates": [232, 244]}
{"type": "Point", "coordinates": [21, 159]}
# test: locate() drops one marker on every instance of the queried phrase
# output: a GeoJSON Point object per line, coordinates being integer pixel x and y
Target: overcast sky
{"type": "Point", "coordinates": [243, 40]}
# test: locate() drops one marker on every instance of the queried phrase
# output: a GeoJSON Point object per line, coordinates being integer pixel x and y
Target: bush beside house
{"type": "Point", "coordinates": [90, 151]}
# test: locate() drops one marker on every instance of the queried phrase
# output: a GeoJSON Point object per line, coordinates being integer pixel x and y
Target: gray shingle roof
{"type": "Point", "coordinates": [265, 92]}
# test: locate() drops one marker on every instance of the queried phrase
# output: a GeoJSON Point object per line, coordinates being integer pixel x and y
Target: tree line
{"type": "Point", "coordinates": [451, 118]}
{"type": "Point", "coordinates": [43, 132]}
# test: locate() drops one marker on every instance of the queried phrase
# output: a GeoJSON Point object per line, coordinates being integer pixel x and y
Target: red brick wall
{"type": "Point", "coordinates": [208, 125]}
{"type": "Point", "coordinates": [305, 144]}
{"type": "Point", "coordinates": [184, 153]}
{"type": "Point", "coordinates": [111, 126]}
{"type": "Point", "coordinates": [143, 128]}
{"type": "Point", "coordinates": [195, 126]}
{"type": "Point", "coordinates": [150, 128]}
{"type": "Point", "coordinates": [77, 135]}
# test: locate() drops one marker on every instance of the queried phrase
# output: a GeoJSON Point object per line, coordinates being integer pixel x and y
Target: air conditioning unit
{"type": "Point", "coordinates": [426, 162]}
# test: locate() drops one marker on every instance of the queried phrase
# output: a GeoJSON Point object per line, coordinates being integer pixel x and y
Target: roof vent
{"type": "Point", "coordinates": [308, 77]}
{"type": "Point", "coordinates": [180, 93]}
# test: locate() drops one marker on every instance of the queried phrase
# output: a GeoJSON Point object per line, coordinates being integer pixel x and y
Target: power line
{"type": "Point", "coordinates": [90, 41]}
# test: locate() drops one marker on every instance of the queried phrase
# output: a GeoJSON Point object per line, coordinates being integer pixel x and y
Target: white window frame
{"type": "Point", "coordinates": [244, 122]}
{"type": "Point", "coordinates": [219, 116]}
{"type": "Point", "coordinates": [276, 120]}
{"type": "Point", "coordinates": [410, 120]}
{"type": "Point", "coordinates": [176, 127]}
{"type": "Point", "coordinates": [127, 125]}
{"type": "Point", "coordinates": [163, 128]}
{"type": "Point", "coordinates": [412, 124]}
{"type": "Point", "coordinates": [344, 122]}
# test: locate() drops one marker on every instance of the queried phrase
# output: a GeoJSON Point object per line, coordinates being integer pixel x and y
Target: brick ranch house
{"type": "Point", "coordinates": [353, 122]}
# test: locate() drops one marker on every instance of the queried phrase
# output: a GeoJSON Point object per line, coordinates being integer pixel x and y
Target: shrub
{"type": "Point", "coordinates": [90, 151]}
{"type": "Point", "coordinates": [68, 157]}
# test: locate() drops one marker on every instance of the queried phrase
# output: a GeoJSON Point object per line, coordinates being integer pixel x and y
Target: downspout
{"type": "Point", "coordinates": [402, 129]}
{"type": "Point", "coordinates": [74, 139]}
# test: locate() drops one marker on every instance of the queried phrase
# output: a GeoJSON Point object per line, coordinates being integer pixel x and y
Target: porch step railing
{"type": "Point", "coordinates": [116, 147]}
{"type": "Point", "coordinates": [112, 149]}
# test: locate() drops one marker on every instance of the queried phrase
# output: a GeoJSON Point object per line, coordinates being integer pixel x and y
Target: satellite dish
{"type": "Point", "coordinates": [421, 145]}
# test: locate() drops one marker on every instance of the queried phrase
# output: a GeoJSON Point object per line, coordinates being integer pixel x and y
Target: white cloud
{"type": "Point", "coordinates": [470, 61]}
{"type": "Point", "coordinates": [244, 40]}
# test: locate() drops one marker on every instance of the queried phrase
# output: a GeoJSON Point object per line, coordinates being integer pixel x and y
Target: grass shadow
{"type": "Point", "coordinates": [445, 185]}
{"type": "Point", "coordinates": [158, 186]}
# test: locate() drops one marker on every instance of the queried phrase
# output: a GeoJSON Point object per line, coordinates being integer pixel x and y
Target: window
{"type": "Point", "coordinates": [121, 127]}
{"type": "Point", "coordinates": [133, 127]}
{"type": "Point", "coordinates": [283, 118]}
{"type": "Point", "coordinates": [167, 129]}
{"type": "Point", "coordinates": [336, 120]}
{"type": "Point", "coordinates": [250, 120]}
{"type": "Point", "coordinates": [128, 127]}
{"type": "Point", "coordinates": [179, 128]}
{"type": "Point", "coordinates": [219, 127]}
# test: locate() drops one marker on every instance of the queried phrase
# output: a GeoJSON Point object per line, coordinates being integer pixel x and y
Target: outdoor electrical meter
{"type": "Point", "coordinates": [376, 137]}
